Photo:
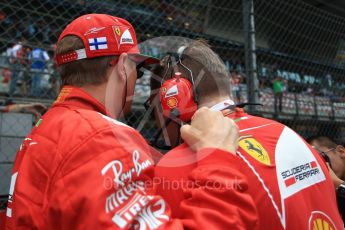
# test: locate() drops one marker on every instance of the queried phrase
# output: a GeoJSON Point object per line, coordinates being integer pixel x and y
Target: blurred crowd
{"type": "Point", "coordinates": [28, 71]}
{"type": "Point", "coordinates": [30, 28]}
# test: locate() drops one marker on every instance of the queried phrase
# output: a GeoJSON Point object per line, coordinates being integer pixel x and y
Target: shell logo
{"type": "Point", "coordinates": [320, 221]}
{"type": "Point", "coordinates": [172, 102]}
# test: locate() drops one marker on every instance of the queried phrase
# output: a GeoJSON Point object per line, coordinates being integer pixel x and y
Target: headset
{"type": "Point", "coordinates": [178, 95]}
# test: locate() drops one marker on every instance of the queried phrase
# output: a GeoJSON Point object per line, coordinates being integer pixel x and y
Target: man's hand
{"type": "Point", "coordinates": [34, 108]}
{"type": "Point", "coordinates": [210, 129]}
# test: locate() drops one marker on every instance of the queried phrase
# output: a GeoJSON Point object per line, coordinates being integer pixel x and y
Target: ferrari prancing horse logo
{"type": "Point", "coordinates": [117, 30]}
{"type": "Point", "coordinates": [255, 150]}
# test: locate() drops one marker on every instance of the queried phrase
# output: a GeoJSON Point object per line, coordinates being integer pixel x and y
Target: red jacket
{"type": "Point", "coordinates": [289, 183]}
{"type": "Point", "coordinates": [79, 169]}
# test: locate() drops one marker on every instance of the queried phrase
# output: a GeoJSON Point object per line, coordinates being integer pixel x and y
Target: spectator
{"type": "Point", "coordinates": [38, 58]}
{"type": "Point", "coordinates": [6, 74]}
{"type": "Point", "coordinates": [309, 90]}
{"type": "Point", "coordinates": [30, 29]}
{"type": "Point", "coordinates": [265, 85]}
{"type": "Point", "coordinates": [335, 154]}
{"type": "Point", "coordinates": [328, 81]}
{"type": "Point", "coordinates": [3, 17]}
{"type": "Point", "coordinates": [4, 56]}
{"type": "Point", "coordinates": [36, 109]}
{"type": "Point", "coordinates": [278, 89]}
{"type": "Point", "coordinates": [16, 55]}
{"type": "Point", "coordinates": [24, 78]}
{"type": "Point", "coordinates": [235, 83]}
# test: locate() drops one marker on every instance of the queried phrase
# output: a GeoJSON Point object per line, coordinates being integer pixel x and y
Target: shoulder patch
{"type": "Point", "coordinates": [251, 146]}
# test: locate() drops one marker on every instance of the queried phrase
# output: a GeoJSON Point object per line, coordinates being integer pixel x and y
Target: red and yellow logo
{"type": "Point", "coordinates": [254, 149]}
{"type": "Point", "coordinates": [63, 94]}
{"type": "Point", "coordinates": [320, 221]}
{"type": "Point", "coordinates": [117, 30]}
{"type": "Point", "coordinates": [172, 102]}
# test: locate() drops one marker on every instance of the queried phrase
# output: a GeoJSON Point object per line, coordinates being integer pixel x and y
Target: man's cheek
{"type": "Point", "coordinates": [337, 168]}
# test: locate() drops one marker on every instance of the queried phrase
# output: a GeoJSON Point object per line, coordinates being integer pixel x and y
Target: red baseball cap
{"type": "Point", "coordinates": [102, 35]}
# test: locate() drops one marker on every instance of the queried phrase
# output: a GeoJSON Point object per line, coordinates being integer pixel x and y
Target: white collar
{"type": "Point", "coordinates": [222, 105]}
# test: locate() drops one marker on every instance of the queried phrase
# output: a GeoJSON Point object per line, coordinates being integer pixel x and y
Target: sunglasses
{"type": "Point", "coordinates": [324, 155]}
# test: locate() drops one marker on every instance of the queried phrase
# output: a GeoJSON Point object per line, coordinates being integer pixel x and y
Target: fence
{"type": "Point", "coordinates": [295, 42]}
{"type": "Point", "coordinates": [13, 129]}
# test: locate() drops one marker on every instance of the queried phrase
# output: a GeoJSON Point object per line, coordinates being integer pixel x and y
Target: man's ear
{"type": "Point", "coordinates": [341, 151]}
{"type": "Point", "coordinates": [121, 66]}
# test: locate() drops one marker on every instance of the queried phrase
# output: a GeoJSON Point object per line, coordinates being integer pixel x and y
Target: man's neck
{"type": "Point", "coordinates": [213, 101]}
{"type": "Point", "coordinates": [96, 92]}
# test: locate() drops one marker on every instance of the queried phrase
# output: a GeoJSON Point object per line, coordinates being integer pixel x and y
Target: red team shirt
{"type": "Point", "coordinates": [79, 169]}
{"type": "Point", "coordinates": [288, 182]}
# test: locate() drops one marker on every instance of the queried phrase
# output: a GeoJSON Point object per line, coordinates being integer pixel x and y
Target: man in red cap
{"type": "Point", "coordinates": [80, 168]}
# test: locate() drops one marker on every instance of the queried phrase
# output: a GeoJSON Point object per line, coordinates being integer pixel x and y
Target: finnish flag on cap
{"type": "Point", "coordinates": [98, 43]}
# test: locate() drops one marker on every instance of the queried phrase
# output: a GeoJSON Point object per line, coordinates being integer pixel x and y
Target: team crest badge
{"type": "Point", "coordinates": [117, 30]}
{"type": "Point", "coordinates": [251, 146]}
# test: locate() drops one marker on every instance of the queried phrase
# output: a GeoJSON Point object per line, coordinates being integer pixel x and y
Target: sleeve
{"type": "Point", "coordinates": [218, 199]}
